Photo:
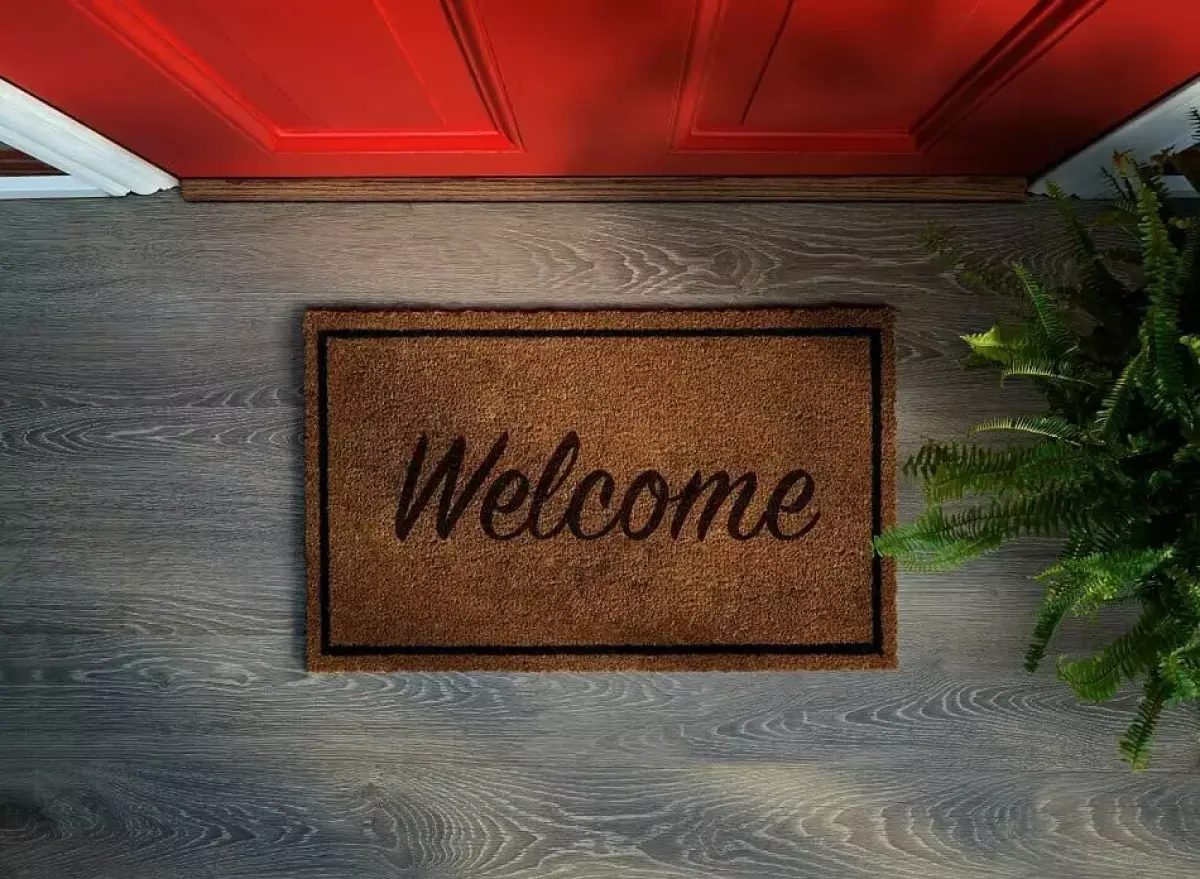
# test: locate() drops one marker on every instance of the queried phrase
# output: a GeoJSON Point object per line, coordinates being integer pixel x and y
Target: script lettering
{"type": "Point", "coordinates": [513, 504]}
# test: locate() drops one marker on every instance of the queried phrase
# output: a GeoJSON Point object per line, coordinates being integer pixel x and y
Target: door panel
{"type": "Point", "coordinates": [853, 69]}
{"type": "Point", "coordinates": [610, 87]}
{"type": "Point", "coordinates": [292, 70]}
{"type": "Point", "coordinates": [294, 81]}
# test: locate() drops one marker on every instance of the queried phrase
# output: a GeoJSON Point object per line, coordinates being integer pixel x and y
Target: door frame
{"type": "Point", "coordinates": [91, 164]}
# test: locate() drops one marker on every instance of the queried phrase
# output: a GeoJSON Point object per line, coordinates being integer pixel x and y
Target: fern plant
{"type": "Point", "coordinates": [1113, 463]}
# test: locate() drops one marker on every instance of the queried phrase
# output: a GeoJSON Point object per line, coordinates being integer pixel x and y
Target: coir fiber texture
{"type": "Point", "coordinates": [535, 490]}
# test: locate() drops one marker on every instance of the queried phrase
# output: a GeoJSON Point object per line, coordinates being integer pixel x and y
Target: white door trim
{"type": "Point", "coordinates": [93, 161]}
{"type": "Point", "coordinates": [48, 186]}
{"type": "Point", "coordinates": [1166, 125]}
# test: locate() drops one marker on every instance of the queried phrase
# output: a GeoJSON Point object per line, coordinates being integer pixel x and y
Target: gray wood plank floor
{"type": "Point", "coordinates": [155, 718]}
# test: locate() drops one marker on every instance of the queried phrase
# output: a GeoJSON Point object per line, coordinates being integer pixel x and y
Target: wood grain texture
{"type": "Point", "coordinates": [155, 718]}
{"type": "Point", "coordinates": [589, 189]}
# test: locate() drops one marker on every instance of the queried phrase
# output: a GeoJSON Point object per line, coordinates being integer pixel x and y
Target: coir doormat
{"type": "Point", "coordinates": [682, 490]}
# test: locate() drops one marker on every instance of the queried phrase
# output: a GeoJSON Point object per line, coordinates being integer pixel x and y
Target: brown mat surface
{"type": "Point", "coordinates": [671, 490]}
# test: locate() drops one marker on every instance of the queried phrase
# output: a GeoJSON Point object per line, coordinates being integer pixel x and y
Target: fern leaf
{"type": "Point", "coordinates": [1082, 583]}
{"type": "Point", "coordinates": [1135, 744]}
{"type": "Point", "coordinates": [1059, 339]}
{"type": "Point", "coordinates": [1193, 345]}
{"type": "Point", "coordinates": [1146, 175]}
{"type": "Point", "coordinates": [1114, 408]}
{"type": "Point", "coordinates": [1181, 672]}
{"type": "Point", "coordinates": [1096, 579]}
{"type": "Point", "coordinates": [936, 540]}
{"type": "Point", "coordinates": [1000, 472]}
{"type": "Point", "coordinates": [1122, 191]}
{"type": "Point", "coordinates": [1054, 607]}
{"type": "Point", "coordinates": [1042, 369]}
{"type": "Point", "coordinates": [1098, 537]}
{"type": "Point", "coordinates": [994, 345]}
{"type": "Point", "coordinates": [930, 457]}
{"type": "Point", "coordinates": [1098, 678]}
{"type": "Point", "coordinates": [1160, 328]}
{"type": "Point", "coordinates": [1041, 425]}
{"type": "Point", "coordinates": [930, 543]}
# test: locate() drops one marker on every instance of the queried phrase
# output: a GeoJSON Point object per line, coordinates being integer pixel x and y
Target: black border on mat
{"type": "Point", "coordinates": [872, 647]}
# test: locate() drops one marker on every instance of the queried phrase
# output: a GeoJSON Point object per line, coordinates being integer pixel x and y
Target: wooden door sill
{"type": "Point", "coordinates": [592, 189]}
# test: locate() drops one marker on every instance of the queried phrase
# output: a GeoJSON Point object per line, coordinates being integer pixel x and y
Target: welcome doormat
{"type": "Point", "coordinates": [673, 490]}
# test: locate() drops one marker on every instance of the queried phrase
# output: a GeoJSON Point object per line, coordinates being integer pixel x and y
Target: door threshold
{"type": "Point", "coordinates": [594, 189]}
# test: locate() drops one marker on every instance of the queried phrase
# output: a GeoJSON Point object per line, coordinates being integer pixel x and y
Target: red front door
{"type": "Point", "coordinates": [233, 88]}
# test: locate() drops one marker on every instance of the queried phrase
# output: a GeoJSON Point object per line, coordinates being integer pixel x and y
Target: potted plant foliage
{"type": "Point", "coordinates": [1113, 463]}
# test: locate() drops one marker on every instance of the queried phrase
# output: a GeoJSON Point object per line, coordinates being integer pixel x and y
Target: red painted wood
{"type": "Point", "coordinates": [608, 87]}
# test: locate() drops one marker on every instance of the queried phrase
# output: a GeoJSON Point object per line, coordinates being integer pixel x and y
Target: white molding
{"type": "Point", "coordinates": [37, 129]}
{"type": "Point", "coordinates": [48, 186]}
{"type": "Point", "coordinates": [1166, 125]}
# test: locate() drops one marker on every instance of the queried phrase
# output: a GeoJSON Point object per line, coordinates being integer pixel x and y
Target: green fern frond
{"type": "Point", "coordinates": [1181, 673]}
{"type": "Point", "coordinates": [949, 554]}
{"type": "Point", "coordinates": [1193, 345]}
{"type": "Point", "coordinates": [1053, 608]}
{"type": "Point", "coordinates": [1058, 338]}
{"type": "Point", "coordinates": [930, 543]}
{"type": "Point", "coordinates": [1114, 409]}
{"type": "Point", "coordinates": [1081, 584]}
{"type": "Point", "coordinates": [1123, 197]}
{"type": "Point", "coordinates": [994, 345]}
{"type": "Point", "coordinates": [1146, 175]}
{"type": "Point", "coordinates": [1098, 578]}
{"type": "Point", "coordinates": [1098, 678]}
{"type": "Point", "coordinates": [931, 456]}
{"type": "Point", "coordinates": [1135, 744]}
{"type": "Point", "coordinates": [973, 470]}
{"type": "Point", "coordinates": [1047, 513]}
{"type": "Point", "coordinates": [1161, 326]}
{"type": "Point", "coordinates": [1191, 589]}
{"type": "Point", "coordinates": [1041, 425]}
{"type": "Point", "coordinates": [1087, 541]}
{"type": "Point", "coordinates": [1041, 369]}
{"type": "Point", "coordinates": [937, 540]}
